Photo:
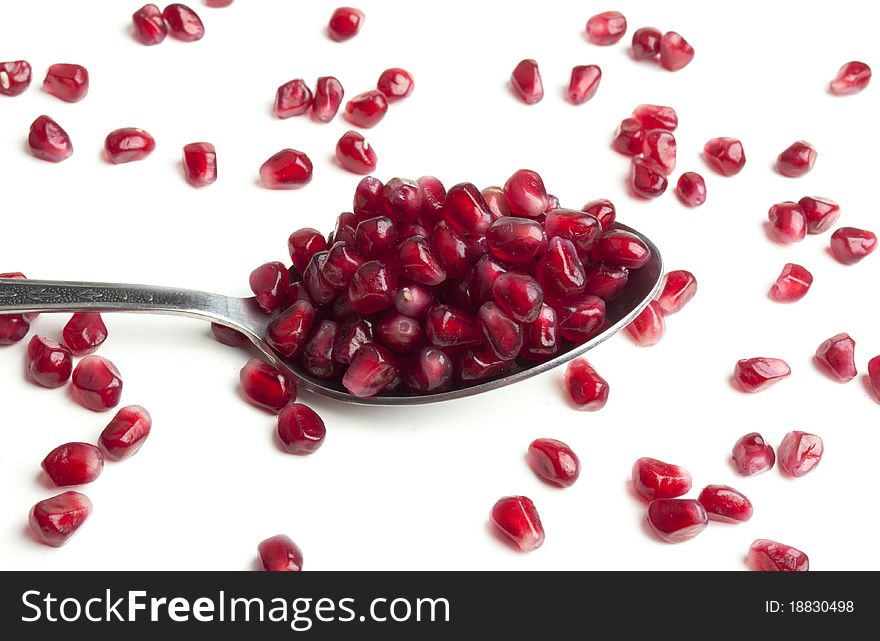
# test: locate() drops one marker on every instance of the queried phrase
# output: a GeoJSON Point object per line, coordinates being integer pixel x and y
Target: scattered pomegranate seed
{"type": "Point", "coordinates": [554, 461]}
{"type": "Point", "coordinates": [753, 455]}
{"type": "Point", "coordinates": [355, 154]}
{"type": "Point", "coordinates": [280, 554]}
{"type": "Point", "coordinates": [15, 77]}
{"type": "Point", "coordinates": [541, 336]}
{"type": "Point", "coordinates": [287, 333]}
{"type": "Point", "coordinates": [327, 99]}
{"type": "Point", "coordinates": [725, 155]}
{"type": "Point", "coordinates": [788, 222]}
{"type": "Point", "coordinates": [723, 503]}
{"type": "Point", "coordinates": [126, 433]}
{"type": "Point", "coordinates": [646, 178]}
{"type": "Point", "coordinates": [769, 556]}
{"type": "Point", "coordinates": [821, 213]}
{"type": "Point", "coordinates": [183, 23]}
{"type": "Point", "coordinates": [303, 244]}
{"type": "Point", "coordinates": [584, 83]}
{"type": "Point", "coordinates": [588, 390]}
{"type": "Point", "coordinates": [288, 169]}
{"type": "Point", "coordinates": [48, 363]}
{"type": "Point", "coordinates": [837, 355]}
{"type": "Point", "coordinates": [73, 464]}
{"type": "Point", "coordinates": [851, 78]}
{"type": "Point", "coordinates": [629, 137]}
{"type": "Point", "coordinates": [622, 248]}
{"type": "Point", "coordinates": [678, 290]}
{"type": "Point", "coordinates": [370, 371]}
{"type": "Point", "coordinates": [13, 328]}
{"type": "Point", "coordinates": [48, 141]}
{"type": "Point", "coordinates": [691, 189]}
{"type": "Point", "coordinates": [659, 146]}
{"type": "Point", "coordinates": [606, 28]}
{"type": "Point", "coordinates": [525, 194]}
{"type": "Point", "coordinates": [97, 383]}
{"type": "Point", "coordinates": [800, 453]}
{"type": "Point", "coordinates": [395, 83]}
{"type": "Point", "coordinates": [655, 479]}
{"type": "Point", "coordinates": [345, 23]}
{"type": "Point", "coordinates": [149, 25]}
{"type": "Point", "coordinates": [797, 160]}
{"type": "Point", "coordinates": [603, 210]}
{"type": "Point", "coordinates": [265, 386]}
{"type": "Point", "coordinates": [560, 271]}
{"type": "Point", "coordinates": [84, 333]}
{"type": "Point", "coordinates": [656, 117]}
{"type": "Point", "coordinates": [293, 98]}
{"type": "Point", "coordinates": [228, 336]}
{"type": "Point", "coordinates": [792, 285]}
{"type": "Point", "coordinates": [648, 327]}
{"type": "Point", "coordinates": [200, 164]}
{"type": "Point", "coordinates": [218, 4]}
{"type": "Point", "coordinates": [850, 244]}
{"type": "Point", "coordinates": [67, 82]}
{"type": "Point", "coordinates": [677, 520]}
{"type": "Point", "coordinates": [128, 144]}
{"type": "Point", "coordinates": [55, 520]}
{"type": "Point", "coordinates": [526, 81]}
{"type": "Point", "coordinates": [269, 284]}
{"type": "Point", "coordinates": [604, 280]}
{"type": "Point", "coordinates": [517, 517]}
{"type": "Point", "coordinates": [646, 43]}
{"type": "Point", "coordinates": [675, 52]}
{"type": "Point", "coordinates": [757, 374]}
{"type": "Point", "coordinates": [874, 375]}
{"type": "Point", "coordinates": [367, 109]}
{"type": "Point", "coordinates": [300, 429]}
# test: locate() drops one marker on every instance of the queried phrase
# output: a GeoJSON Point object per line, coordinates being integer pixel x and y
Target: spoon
{"type": "Point", "coordinates": [243, 314]}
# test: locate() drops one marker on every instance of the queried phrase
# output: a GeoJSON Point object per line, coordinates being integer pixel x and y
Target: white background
{"type": "Point", "coordinates": [411, 488]}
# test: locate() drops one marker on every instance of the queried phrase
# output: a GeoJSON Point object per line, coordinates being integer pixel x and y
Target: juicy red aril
{"type": "Point", "coordinates": [675, 52]}
{"type": "Point", "coordinates": [503, 334]}
{"type": "Point", "coordinates": [757, 374]}
{"type": "Point", "coordinates": [851, 78]}
{"type": "Point", "coordinates": [341, 264]}
{"type": "Point", "coordinates": [280, 554]}
{"type": "Point", "coordinates": [792, 284]}
{"type": "Point", "coordinates": [526, 81]}
{"type": "Point", "coordinates": [646, 43]}
{"type": "Point", "coordinates": [837, 355]}
{"type": "Point", "coordinates": [451, 249]}
{"type": "Point", "coordinates": [433, 199]}
{"type": "Point", "coordinates": [622, 248]}
{"type": "Point", "coordinates": [677, 520]}
{"type": "Point", "coordinates": [606, 28]}
{"type": "Point", "coordinates": [300, 429]}
{"type": "Point", "coordinates": [354, 333]}
{"type": "Point", "coordinates": [850, 244]}
{"type": "Point", "coordinates": [646, 178]}
{"type": "Point", "coordinates": [659, 146]}
{"type": "Point", "coordinates": [56, 519]}
{"type": "Point", "coordinates": [327, 99]}
{"type": "Point", "coordinates": [265, 386]}
{"type": "Point", "coordinates": [560, 271]}
{"type": "Point", "coordinates": [753, 455]}
{"type": "Point", "coordinates": [68, 82]}
{"type": "Point", "coordinates": [13, 328]}
{"type": "Point", "coordinates": [48, 363]}
{"type": "Point", "coordinates": [800, 453]}
{"type": "Point", "coordinates": [580, 321]}
{"type": "Point", "coordinates": [183, 23]}
{"type": "Point", "coordinates": [821, 213]}
{"type": "Point", "coordinates": [480, 364]}
{"type": "Point", "coordinates": [128, 144]}
{"type": "Point", "coordinates": [603, 210]}
{"type": "Point", "coordinates": [519, 295]}
{"type": "Point", "coordinates": [126, 433]}
{"type": "Point", "coordinates": [355, 154]}
{"type": "Point", "coordinates": [518, 519]}
{"type": "Point", "coordinates": [97, 383]}
{"type": "Point", "coordinates": [376, 237]}
{"type": "Point", "coordinates": [788, 222]}
{"type": "Point", "coordinates": [344, 230]}
{"type": "Point", "coordinates": [605, 281]}
{"type": "Point", "coordinates": [429, 371]}
{"type": "Point", "coordinates": [584, 83]}
{"type": "Point", "coordinates": [317, 356]}
{"type": "Point", "coordinates": [15, 77]}
{"type": "Point", "coordinates": [525, 193]}
{"type": "Point", "coordinates": [73, 464]}
{"type": "Point", "coordinates": [395, 83]}
{"type": "Point", "coordinates": [218, 4]}
{"type": "Point", "coordinates": [372, 288]}
{"type": "Point", "coordinates": [149, 25]}
{"type": "Point", "coordinates": [293, 98]}
{"type": "Point", "coordinates": [367, 109]}
{"type": "Point", "coordinates": [416, 262]}
{"type": "Point", "coordinates": [288, 331]}
{"type": "Point", "coordinates": [678, 290]}
{"type": "Point", "coordinates": [656, 117]}
{"type": "Point", "coordinates": [288, 169]}
{"type": "Point", "coordinates": [691, 189]}
{"type": "Point", "coordinates": [552, 203]}
{"type": "Point", "coordinates": [399, 333]}
{"type": "Point", "coordinates": [466, 209]}
{"type": "Point", "coordinates": [587, 390]}
{"type": "Point", "coordinates": [517, 240]}
{"type": "Point", "coordinates": [370, 371]}
{"type": "Point", "coordinates": [303, 244]}
{"type": "Point", "coordinates": [414, 300]}
{"type": "Point", "coordinates": [769, 556]}
{"type": "Point", "coordinates": [725, 155]}
{"type": "Point", "coordinates": [269, 284]}
{"type": "Point", "coordinates": [319, 290]}
{"type": "Point", "coordinates": [629, 137]}
{"type": "Point", "coordinates": [581, 228]}
{"type": "Point", "coordinates": [345, 23]}
{"type": "Point", "coordinates": [874, 375]}
{"type": "Point", "coordinates": [723, 503]}
{"type": "Point", "coordinates": [84, 333]}
{"type": "Point", "coordinates": [797, 160]}
{"type": "Point", "coordinates": [648, 327]}
{"type": "Point", "coordinates": [541, 336]}
{"type": "Point", "coordinates": [554, 461]}
{"type": "Point", "coordinates": [448, 326]}
{"type": "Point", "coordinates": [200, 163]}
{"type": "Point", "coordinates": [655, 479]}
{"type": "Point", "coordinates": [404, 199]}
{"type": "Point", "coordinates": [483, 276]}
{"type": "Point", "coordinates": [48, 141]}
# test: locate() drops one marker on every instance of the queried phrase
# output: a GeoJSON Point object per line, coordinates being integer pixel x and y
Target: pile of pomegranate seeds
{"type": "Point", "coordinates": [280, 554]}
{"type": "Point", "coordinates": [345, 23]}
{"type": "Point", "coordinates": [851, 78]}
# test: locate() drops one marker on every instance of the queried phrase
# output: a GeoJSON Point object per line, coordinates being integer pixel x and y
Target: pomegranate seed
{"type": "Point", "coordinates": [851, 78]}
{"type": "Point", "coordinates": [525, 194]}
{"type": "Point", "coordinates": [769, 556]}
{"type": "Point", "coordinates": [554, 461]}
{"type": "Point", "coordinates": [67, 82]}
{"type": "Point", "coordinates": [126, 433]}
{"type": "Point", "coordinates": [850, 244]}
{"type": "Point", "coordinates": [526, 82]}
{"type": "Point", "coordinates": [288, 331]}
{"type": "Point", "coordinates": [429, 371]}
{"type": "Point", "coordinates": [183, 23]}
{"type": "Point", "coordinates": [581, 228]}
{"type": "Point", "coordinates": [56, 519]}
{"type": "Point", "coordinates": [648, 327]}
{"type": "Point", "coordinates": [821, 213]}
{"type": "Point", "coordinates": [269, 283]}
{"type": "Point", "coordinates": [656, 117]}
{"type": "Point", "coordinates": [677, 520]}
{"type": "Point", "coordinates": [603, 210]}
{"type": "Point", "coordinates": [303, 244]}
{"type": "Point", "coordinates": [517, 240]}
{"type": "Point", "coordinates": [675, 52]}
{"type": "Point", "coordinates": [584, 83]}
{"type": "Point", "coordinates": [13, 328]}
{"type": "Point", "coordinates": [629, 137]}
{"type": "Point", "coordinates": [376, 237]}
{"type": "Point", "coordinates": [606, 28]}
{"type": "Point", "coordinates": [354, 333]}
{"type": "Point", "coordinates": [451, 250]}
{"type": "Point", "coordinates": [541, 336]}
{"type": "Point", "coordinates": [655, 479]}
{"type": "Point", "coordinates": [218, 4]}
{"type": "Point", "coordinates": [84, 333]}
{"type": "Point", "coordinates": [797, 160]}
{"type": "Point", "coordinates": [355, 154]}
{"type": "Point", "coordinates": [788, 222]}
{"type": "Point", "coordinates": [874, 375]}
{"type": "Point", "coordinates": [293, 98]}
{"type": "Point", "coordinates": [395, 83]}
{"type": "Point", "coordinates": [280, 554]}
{"type": "Point", "coordinates": [757, 374]}
{"type": "Point", "coordinates": [399, 333]}
{"type": "Point", "coordinates": [200, 164]}
{"type": "Point", "coordinates": [48, 363]}
{"type": "Point", "coordinates": [48, 141]}
{"type": "Point", "coordinates": [73, 464]}
{"type": "Point", "coordinates": [725, 155]}
{"type": "Point", "coordinates": [560, 271]}
{"type": "Point", "coordinates": [344, 231]}
{"type": "Point", "coordinates": [723, 503]}
{"type": "Point", "coordinates": [370, 371]}
{"type": "Point", "coordinates": [646, 43]}
{"type": "Point", "coordinates": [317, 356]}
{"type": "Point", "coordinates": [503, 334]}
{"type": "Point", "coordinates": [327, 99]}
{"type": "Point", "coordinates": [678, 290]}
{"type": "Point", "coordinates": [753, 455]}
{"type": "Point", "coordinates": [481, 364]}
{"type": "Point", "coordinates": [300, 429]}
{"type": "Point", "coordinates": [319, 290]}
{"type": "Point", "coordinates": [414, 300]}
{"type": "Point", "coordinates": [519, 295]}
{"type": "Point", "coordinates": [447, 326]}
{"type": "Point", "coordinates": [265, 386]}
{"type": "Point", "coordinates": [792, 285]}
{"type": "Point", "coordinates": [800, 453]}
{"type": "Point", "coordinates": [288, 169]}
{"type": "Point", "coordinates": [646, 178]}
{"type": "Point", "coordinates": [372, 287]}
{"type": "Point", "coordinates": [345, 23]}
{"type": "Point", "coordinates": [341, 264]}
{"type": "Point", "coordinates": [433, 199]}
{"type": "Point", "coordinates": [622, 248]}
{"type": "Point", "coordinates": [691, 189]}
{"type": "Point", "coordinates": [127, 145]}
{"type": "Point", "coordinates": [149, 25]}
{"type": "Point", "coordinates": [466, 209]}
{"type": "Point", "coordinates": [578, 322]}
{"type": "Point", "coordinates": [605, 281]}
{"type": "Point", "coordinates": [659, 146]}
{"type": "Point", "coordinates": [483, 276]}
{"type": "Point", "coordinates": [97, 383]}
{"type": "Point", "coordinates": [588, 390]}
{"type": "Point", "coordinates": [367, 109]}
{"type": "Point", "coordinates": [517, 518]}
{"type": "Point", "coordinates": [837, 355]}
{"type": "Point", "coordinates": [416, 262]}
{"type": "Point", "coordinates": [404, 199]}
{"type": "Point", "coordinates": [15, 77]}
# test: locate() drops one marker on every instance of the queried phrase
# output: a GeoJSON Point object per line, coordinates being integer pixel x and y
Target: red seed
{"type": "Point", "coordinates": [218, 4]}
{"type": "Point", "coordinates": [269, 284]}
{"type": "Point", "coordinates": [526, 81]}
{"type": "Point", "coordinates": [303, 244]}
{"type": "Point", "coordinates": [376, 237]}
{"type": "Point", "coordinates": [850, 244]}
{"type": "Point", "coordinates": [293, 98]}
{"type": "Point", "coordinates": [622, 248]}
{"type": "Point", "coordinates": [603, 210]}
{"type": "Point", "coordinates": [725, 155]}
{"type": "Point", "coordinates": [56, 519]}
{"type": "Point", "coordinates": [287, 333]}
{"type": "Point", "coordinates": [448, 326]}
{"type": "Point", "coordinates": [67, 82]}
{"type": "Point", "coordinates": [433, 198]}
{"type": "Point", "coordinates": [354, 333]}
{"type": "Point", "coordinates": [48, 141]}
{"type": "Point", "coordinates": [646, 43]}
{"type": "Point", "coordinates": [395, 83]}
{"type": "Point", "coordinates": [319, 290]}
{"type": "Point", "coordinates": [788, 222]}
{"type": "Point", "coordinates": [341, 264]}
{"type": "Point", "coordinates": [851, 78]}
{"type": "Point", "coordinates": [128, 144]}
{"type": "Point", "coordinates": [73, 464]}
{"type": "Point", "coordinates": [517, 240]}
{"type": "Point", "coordinates": [300, 429]}
{"type": "Point", "coordinates": [414, 300]}
{"type": "Point", "coordinates": [584, 83]}
{"type": "Point", "coordinates": [481, 364]}
{"type": "Point", "coordinates": [15, 77]}
{"type": "Point", "coordinates": [648, 327]}
{"type": "Point", "coordinates": [646, 178]}
{"type": "Point", "coordinates": [327, 99]}
{"type": "Point", "coordinates": [753, 455]}
{"type": "Point", "coordinates": [482, 278]}
{"type": "Point", "coordinates": [404, 198]}
{"type": "Point", "coordinates": [517, 518]}
{"type": "Point", "coordinates": [429, 371]}
{"type": "Point", "coordinates": [48, 363]}
{"type": "Point", "coordinates": [503, 334]}
{"type": "Point", "coordinates": [604, 280]}
{"type": "Point", "coordinates": [758, 374]}
{"type": "Point", "coordinates": [541, 336]}
{"type": "Point", "coordinates": [677, 520]}
{"type": "Point", "coordinates": [629, 137]}
{"type": "Point", "coordinates": [183, 23]}
{"type": "Point", "coordinates": [560, 271]}
{"type": "Point", "coordinates": [265, 386]}
{"type": "Point", "coordinates": [399, 333]}
{"type": "Point", "coordinates": [200, 164]}
{"type": "Point", "coordinates": [606, 28]}
{"type": "Point", "coordinates": [84, 333]}
{"type": "Point", "coordinates": [370, 371]}
{"type": "Point", "coordinates": [355, 153]}
{"type": "Point", "coordinates": [97, 383]}
{"type": "Point", "coordinates": [675, 52]}
{"type": "Point", "coordinates": [581, 228]}
{"type": "Point", "coordinates": [797, 160]}
{"type": "Point", "coordinates": [659, 146]}
{"type": "Point", "coordinates": [554, 461]}
{"type": "Point", "coordinates": [769, 556]}
{"type": "Point", "coordinates": [367, 109]}
{"type": "Point", "coordinates": [691, 189]}
{"type": "Point", "coordinates": [317, 357]}
{"type": "Point", "coordinates": [288, 169]}
{"type": "Point", "coordinates": [345, 23]}
{"type": "Point", "coordinates": [792, 284]}
{"type": "Point", "coordinates": [821, 213]}
{"type": "Point", "coordinates": [800, 453]}
{"type": "Point", "coordinates": [723, 503]}
{"type": "Point", "coordinates": [372, 288]}
{"type": "Point", "coordinates": [679, 288]}
{"type": "Point", "coordinates": [656, 117]}
{"type": "Point", "coordinates": [466, 209]}
{"type": "Point", "coordinates": [416, 262]}
{"type": "Point", "coordinates": [126, 433]}
{"type": "Point", "coordinates": [874, 375]}
{"type": "Point", "coordinates": [525, 194]}
{"type": "Point", "coordinates": [149, 25]}
{"type": "Point", "coordinates": [588, 390]}
{"type": "Point", "coordinates": [579, 322]}
{"type": "Point", "coordinates": [280, 554]}
{"type": "Point", "coordinates": [519, 295]}
{"type": "Point", "coordinates": [655, 479]}
{"type": "Point", "coordinates": [837, 355]}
